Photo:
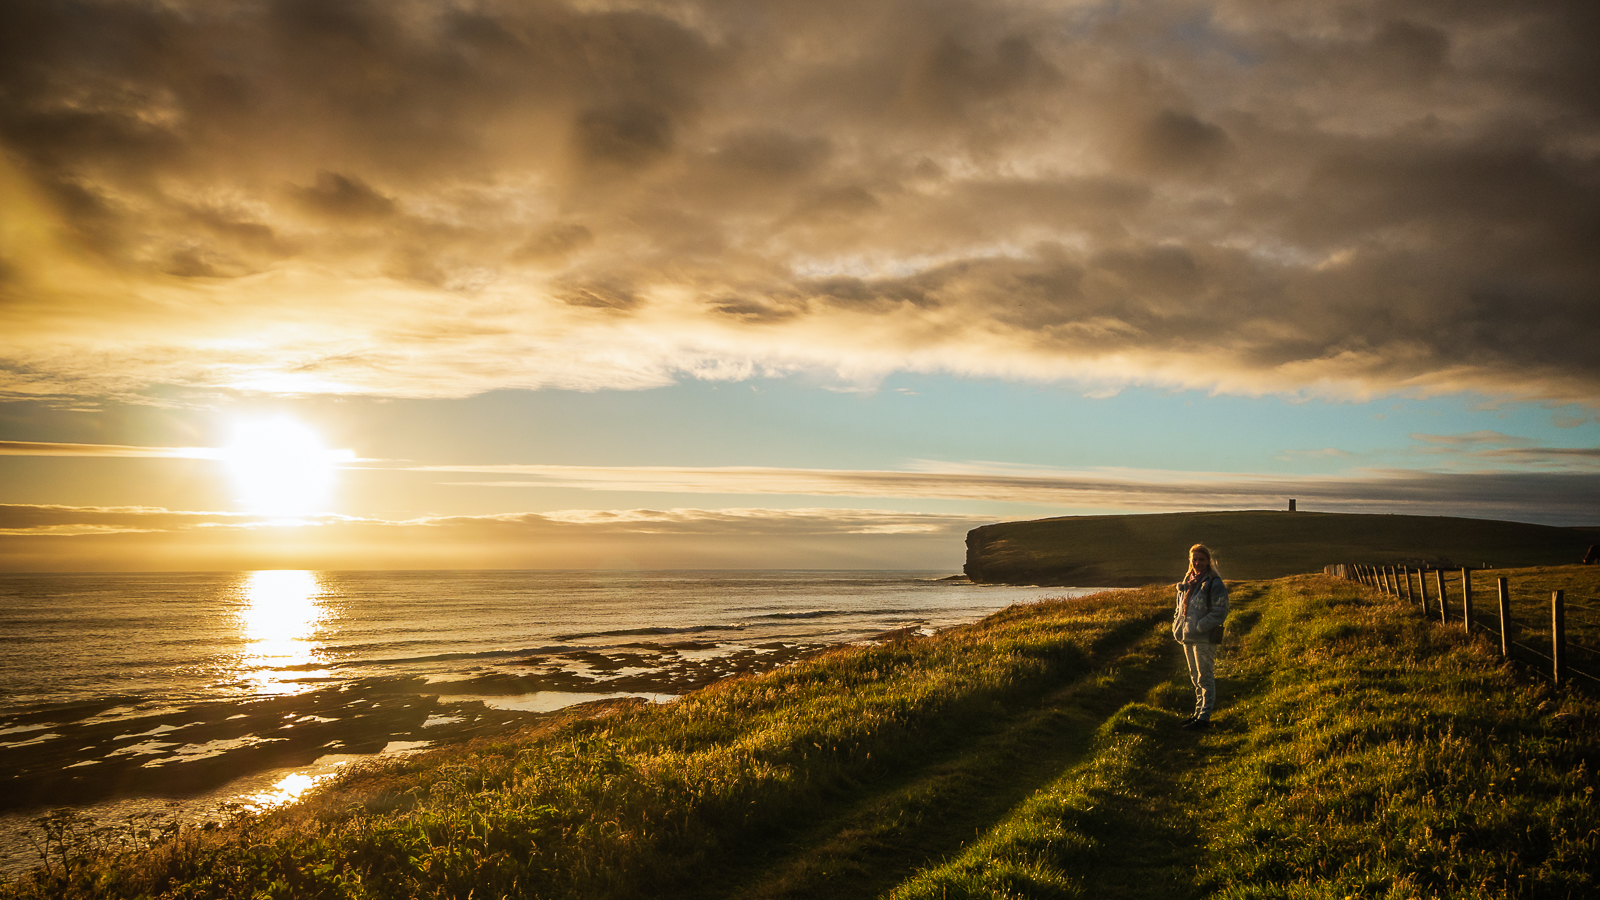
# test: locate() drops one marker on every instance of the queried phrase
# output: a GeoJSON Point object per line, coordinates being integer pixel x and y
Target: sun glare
{"type": "Point", "coordinates": [280, 467]}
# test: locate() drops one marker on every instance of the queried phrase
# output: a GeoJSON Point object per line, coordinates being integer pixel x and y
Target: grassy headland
{"type": "Point", "coordinates": [1123, 551]}
{"type": "Point", "coordinates": [1361, 751]}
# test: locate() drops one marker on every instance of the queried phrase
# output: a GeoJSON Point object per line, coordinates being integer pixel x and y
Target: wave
{"type": "Point", "coordinates": [450, 657]}
{"type": "Point", "coordinates": [645, 632]}
{"type": "Point", "coordinates": [830, 613]}
{"type": "Point", "coordinates": [69, 711]}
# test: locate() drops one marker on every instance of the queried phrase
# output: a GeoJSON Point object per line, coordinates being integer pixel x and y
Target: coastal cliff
{"type": "Point", "coordinates": [1132, 550]}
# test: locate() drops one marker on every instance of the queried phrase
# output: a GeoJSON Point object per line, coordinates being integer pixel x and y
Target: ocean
{"type": "Point", "coordinates": [186, 696]}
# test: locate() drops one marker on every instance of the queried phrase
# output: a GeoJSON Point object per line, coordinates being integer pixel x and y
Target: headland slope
{"type": "Point", "coordinates": [1132, 550]}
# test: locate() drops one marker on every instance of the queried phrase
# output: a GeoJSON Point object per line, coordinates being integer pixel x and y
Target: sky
{"type": "Point", "coordinates": [749, 284]}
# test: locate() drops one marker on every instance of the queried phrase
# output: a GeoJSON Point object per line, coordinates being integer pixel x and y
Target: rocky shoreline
{"type": "Point", "coordinates": [124, 747]}
{"type": "Point", "coordinates": [124, 763]}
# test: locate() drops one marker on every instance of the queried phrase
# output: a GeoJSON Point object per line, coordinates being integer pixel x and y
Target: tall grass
{"type": "Point", "coordinates": [629, 804]}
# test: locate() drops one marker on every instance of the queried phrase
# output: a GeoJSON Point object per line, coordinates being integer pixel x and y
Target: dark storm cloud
{"type": "Point", "coordinates": [336, 196]}
{"type": "Point", "coordinates": [1345, 198]}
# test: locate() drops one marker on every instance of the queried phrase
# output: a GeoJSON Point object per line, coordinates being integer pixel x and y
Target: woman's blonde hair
{"type": "Point", "coordinates": [1209, 555]}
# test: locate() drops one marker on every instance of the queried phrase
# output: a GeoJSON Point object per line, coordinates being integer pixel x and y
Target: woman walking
{"type": "Point", "coordinates": [1197, 625]}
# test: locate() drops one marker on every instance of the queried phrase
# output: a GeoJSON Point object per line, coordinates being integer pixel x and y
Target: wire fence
{"type": "Point", "coordinates": [1553, 653]}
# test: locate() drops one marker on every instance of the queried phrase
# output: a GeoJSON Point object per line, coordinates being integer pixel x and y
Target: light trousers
{"type": "Point", "coordinates": [1202, 660]}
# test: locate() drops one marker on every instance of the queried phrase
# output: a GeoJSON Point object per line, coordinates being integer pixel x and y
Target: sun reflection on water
{"type": "Point", "coordinates": [280, 619]}
{"type": "Point", "coordinates": [286, 790]}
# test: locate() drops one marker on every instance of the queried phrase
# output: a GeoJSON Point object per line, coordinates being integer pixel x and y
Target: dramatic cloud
{"type": "Point", "coordinates": [435, 199]}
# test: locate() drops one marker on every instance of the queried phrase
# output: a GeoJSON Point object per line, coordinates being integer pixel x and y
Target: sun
{"type": "Point", "coordinates": [281, 467]}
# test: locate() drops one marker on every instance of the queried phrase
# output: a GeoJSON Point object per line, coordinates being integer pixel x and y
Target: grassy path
{"type": "Point", "coordinates": [1362, 753]}
{"type": "Point", "coordinates": [879, 836]}
{"type": "Point", "coordinates": [883, 836]}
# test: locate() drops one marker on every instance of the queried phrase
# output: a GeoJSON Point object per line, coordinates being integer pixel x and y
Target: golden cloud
{"type": "Point", "coordinates": [64, 538]}
{"type": "Point", "coordinates": [418, 199]}
{"type": "Point", "coordinates": [47, 448]}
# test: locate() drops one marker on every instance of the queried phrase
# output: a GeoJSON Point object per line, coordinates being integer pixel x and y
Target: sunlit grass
{"type": "Point", "coordinates": [1399, 759]}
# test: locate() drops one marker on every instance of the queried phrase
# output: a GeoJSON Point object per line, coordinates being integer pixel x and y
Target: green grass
{"type": "Point", "coordinates": [1361, 751]}
{"type": "Point", "coordinates": [1108, 817]}
{"type": "Point", "coordinates": [1399, 759]}
{"type": "Point", "coordinates": [1364, 753]}
{"type": "Point", "coordinates": [1146, 549]}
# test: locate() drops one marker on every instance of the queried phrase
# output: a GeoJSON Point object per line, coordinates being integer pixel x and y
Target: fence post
{"type": "Point", "coordinates": [1405, 575]}
{"type": "Point", "coordinates": [1505, 619]}
{"type": "Point", "coordinates": [1394, 583]}
{"type": "Point", "coordinates": [1444, 608]}
{"type": "Point", "coordinates": [1422, 579]}
{"type": "Point", "coordinates": [1558, 634]}
{"type": "Point", "coordinates": [1466, 599]}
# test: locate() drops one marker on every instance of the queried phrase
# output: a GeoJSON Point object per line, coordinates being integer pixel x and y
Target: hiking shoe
{"type": "Point", "coordinates": [1196, 724]}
